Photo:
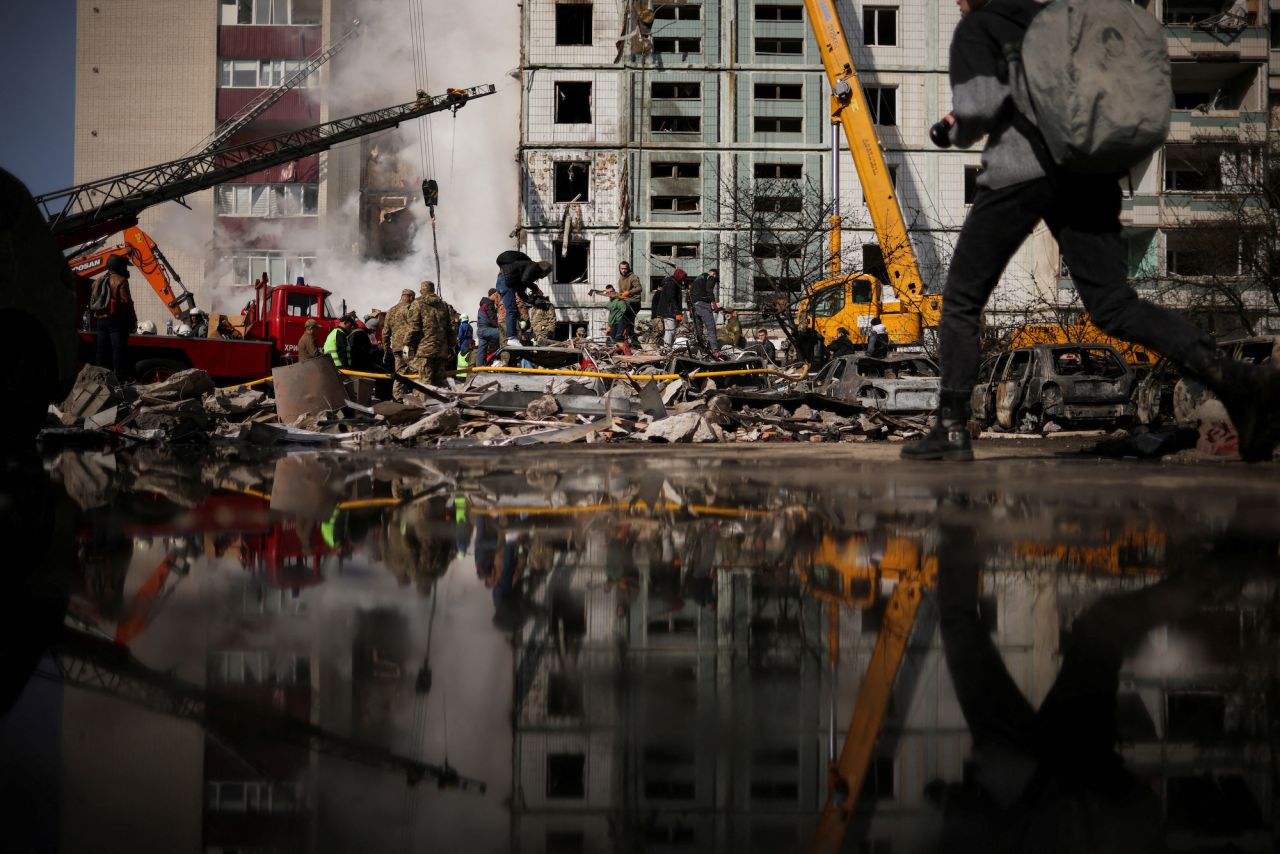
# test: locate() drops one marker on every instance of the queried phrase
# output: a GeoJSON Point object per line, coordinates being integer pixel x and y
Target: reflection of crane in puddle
{"type": "Point", "coordinates": [85, 661]}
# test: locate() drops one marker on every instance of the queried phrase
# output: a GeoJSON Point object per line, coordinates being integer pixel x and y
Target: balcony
{"type": "Point", "coordinates": [1188, 42]}
{"type": "Point", "coordinates": [1217, 125]}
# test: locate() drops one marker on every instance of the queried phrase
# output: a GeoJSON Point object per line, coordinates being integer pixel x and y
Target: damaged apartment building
{"type": "Point", "coordinates": [219, 56]}
{"type": "Point", "coordinates": [638, 117]}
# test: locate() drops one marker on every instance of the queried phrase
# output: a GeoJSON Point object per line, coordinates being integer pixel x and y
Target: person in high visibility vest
{"type": "Point", "coordinates": [337, 346]}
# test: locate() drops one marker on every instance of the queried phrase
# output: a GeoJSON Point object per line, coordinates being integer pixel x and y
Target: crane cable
{"type": "Point", "coordinates": [426, 140]}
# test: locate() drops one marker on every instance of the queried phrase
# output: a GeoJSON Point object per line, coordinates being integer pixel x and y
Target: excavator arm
{"type": "Point", "coordinates": [146, 256]}
{"type": "Point", "coordinates": [849, 110]}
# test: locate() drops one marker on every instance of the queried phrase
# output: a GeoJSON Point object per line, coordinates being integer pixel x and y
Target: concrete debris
{"type": "Point", "coordinates": [234, 402]}
{"type": "Point", "coordinates": [444, 421]}
{"type": "Point", "coordinates": [542, 408]}
{"type": "Point", "coordinates": [184, 385]}
{"type": "Point", "coordinates": [95, 389]}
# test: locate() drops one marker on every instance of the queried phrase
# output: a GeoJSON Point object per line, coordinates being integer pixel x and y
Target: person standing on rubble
{"type": "Point", "coordinates": [435, 348]}
{"type": "Point", "coordinates": [666, 308]}
{"type": "Point", "coordinates": [632, 292]}
{"type": "Point", "coordinates": [1018, 188]}
{"type": "Point", "coordinates": [488, 338]}
{"type": "Point", "coordinates": [307, 348]}
{"type": "Point", "coordinates": [704, 300]}
{"type": "Point", "coordinates": [733, 329]}
{"type": "Point", "coordinates": [542, 319]}
{"type": "Point", "coordinates": [518, 275]}
{"type": "Point", "coordinates": [400, 339]}
{"type": "Point", "coordinates": [877, 339]}
{"type": "Point", "coordinates": [337, 345]}
{"type": "Point", "coordinates": [617, 308]}
{"type": "Point", "coordinates": [117, 320]}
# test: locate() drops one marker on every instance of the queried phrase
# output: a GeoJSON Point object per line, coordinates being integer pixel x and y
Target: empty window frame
{"type": "Point", "coordinates": [566, 775]}
{"type": "Point", "coordinates": [971, 174]}
{"type": "Point", "coordinates": [675, 169]}
{"type": "Point", "coordinates": [675, 124]}
{"type": "Point", "coordinates": [572, 265]}
{"type": "Point", "coordinates": [675, 204]}
{"type": "Point", "coordinates": [259, 12]}
{"type": "Point", "coordinates": [572, 181]}
{"type": "Point", "coordinates": [779, 12]}
{"type": "Point", "coordinates": [778, 124]}
{"type": "Point", "coordinates": [780, 47]}
{"type": "Point", "coordinates": [775, 203]}
{"type": "Point", "coordinates": [678, 91]}
{"type": "Point", "coordinates": [776, 249]}
{"type": "Point", "coordinates": [683, 12]}
{"type": "Point", "coordinates": [675, 249]}
{"type": "Point", "coordinates": [781, 171]}
{"type": "Point", "coordinates": [768, 284]}
{"type": "Point", "coordinates": [882, 104]}
{"type": "Point", "coordinates": [573, 102]}
{"type": "Point", "coordinates": [573, 24]}
{"type": "Point", "coordinates": [779, 91]}
{"type": "Point", "coordinates": [880, 25]}
{"type": "Point", "coordinates": [680, 44]}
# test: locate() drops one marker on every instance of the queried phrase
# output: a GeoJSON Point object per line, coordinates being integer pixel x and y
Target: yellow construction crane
{"type": "Point", "coordinates": [851, 300]}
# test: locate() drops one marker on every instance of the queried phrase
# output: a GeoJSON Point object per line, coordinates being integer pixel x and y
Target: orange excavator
{"type": "Point", "coordinates": [145, 255]}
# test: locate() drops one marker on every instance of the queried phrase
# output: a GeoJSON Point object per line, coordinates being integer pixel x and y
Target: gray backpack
{"type": "Point", "coordinates": [1093, 76]}
{"type": "Point", "coordinates": [100, 295]}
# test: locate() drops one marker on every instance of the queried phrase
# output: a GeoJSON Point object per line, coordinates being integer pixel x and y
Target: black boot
{"type": "Point", "coordinates": [1250, 393]}
{"type": "Point", "coordinates": [949, 438]}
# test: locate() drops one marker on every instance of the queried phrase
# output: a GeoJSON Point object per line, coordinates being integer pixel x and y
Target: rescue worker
{"type": "Point", "coordinates": [704, 301]}
{"type": "Point", "coordinates": [400, 339]}
{"type": "Point", "coordinates": [542, 319]}
{"type": "Point", "coordinates": [733, 329]}
{"type": "Point", "coordinates": [118, 320]}
{"type": "Point", "coordinates": [434, 353]}
{"type": "Point", "coordinates": [307, 348]}
{"type": "Point", "coordinates": [337, 345]}
{"type": "Point", "coordinates": [632, 292]}
{"type": "Point", "coordinates": [361, 349]}
{"type": "Point", "coordinates": [764, 346]}
{"type": "Point", "coordinates": [465, 332]}
{"type": "Point", "coordinates": [517, 277]}
{"type": "Point", "coordinates": [1017, 189]}
{"type": "Point", "coordinates": [488, 338]}
{"type": "Point", "coordinates": [666, 308]}
{"type": "Point", "coordinates": [617, 308]}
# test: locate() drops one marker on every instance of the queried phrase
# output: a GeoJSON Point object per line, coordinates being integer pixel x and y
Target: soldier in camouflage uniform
{"type": "Point", "coordinates": [435, 348]}
{"type": "Point", "coordinates": [400, 338]}
{"type": "Point", "coordinates": [542, 317]}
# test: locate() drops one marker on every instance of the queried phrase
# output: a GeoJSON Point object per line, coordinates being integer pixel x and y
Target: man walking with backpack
{"type": "Point", "coordinates": [112, 307]}
{"type": "Point", "coordinates": [1025, 179]}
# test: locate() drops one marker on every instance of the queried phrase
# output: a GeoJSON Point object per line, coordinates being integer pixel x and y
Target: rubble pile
{"type": "Point", "coordinates": [623, 401]}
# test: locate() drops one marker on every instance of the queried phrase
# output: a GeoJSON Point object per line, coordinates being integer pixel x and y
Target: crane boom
{"type": "Point", "coordinates": [78, 214]}
{"type": "Point", "coordinates": [849, 108]}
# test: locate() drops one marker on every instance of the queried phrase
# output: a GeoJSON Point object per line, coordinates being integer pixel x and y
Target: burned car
{"type": "Point", "coordinates": [1163, 396]}
{"type": "Point", "coordinates": [1026, 388]}
{"type": "Point", "coordinates": [900, 383]}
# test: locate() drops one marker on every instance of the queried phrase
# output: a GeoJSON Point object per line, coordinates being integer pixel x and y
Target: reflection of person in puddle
{"type": "Point", "coordinates": [1050, 779]}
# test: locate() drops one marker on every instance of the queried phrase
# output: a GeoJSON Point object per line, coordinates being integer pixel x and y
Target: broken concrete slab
{"type": "Point", "coordinates": [232, 402]}
{"type": "Point", "coordinates": [542, 408]}
{"type": "Point", "coordinates": [310, 386]}
{"type": "Point", "coordinates": [398, 414]}
{"type": "Point", "coordinates": [444, 421]}
{"type": "Point", "coordinates": [680, 427]}
{"type": "Point", "coordinates": [184, 385]}
{"type": "Point", "coordinates": [95, 389]}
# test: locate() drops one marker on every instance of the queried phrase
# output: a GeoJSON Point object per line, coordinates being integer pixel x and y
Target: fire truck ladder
{"type": "Point", "coordinates": [78, 214]}
{"type": "Point", "coordinates": [85, 661]}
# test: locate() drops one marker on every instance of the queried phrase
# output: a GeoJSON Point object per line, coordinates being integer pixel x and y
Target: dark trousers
{"type": "Point", "coordinates": [113, 338]}
{"type": "Point", "coordinates": [508, 296]}
{"type": "Point", "coordinates": [488, 340]}
{"type": "Point", "coordinates": [1083, 214]}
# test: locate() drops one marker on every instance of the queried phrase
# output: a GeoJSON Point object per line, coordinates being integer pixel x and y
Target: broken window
{"type": "Point", "coordinates": [882, 104]}
{"type": "Point", "coordinates": [573, 103]}
{"type": "Point", "coordinates": [779, 124]}
{"type": "Point", "coordinates": [571, 265]}
{"type": "Point", "coordinates": [566, 775]}
{"type": "Point", "coordinates": [775, 283]}
{"type": "Point", "coordinates": [779, 91]}
{"type": "Point", "coordinates": [683, 44]}
{"type": "Point", "coordinates": [782, 171]}
{"type": "Point", "coordinates": [564, 696]}
{"type": "Point", "coordinates": [780, 47]}
{"type": "Point", "coordinates": [778, 12]}
{"type": "Point", "coordinates": [675, 169]}
{"type": "Point", "coordinates": [264, 12]}
{"type": "Point", "coordinates": [778, 204]}
{"type": "Point", "coordinates": [572, 181]}
{"type": "Point", "coordinates": [675, 124]}
{"type": "Point", "coordinates": [880, 25]}
{"type": "Point", "coordinates": [674, 204]}
{"type": "Point", "coordinates": [573, 24]}
{"type": "Point", "coordinates": [776, 249]}
{"type": "Point", "coordinates": [971, 174]}
{"type": "Point", "coordinates": [684, 12]}
{"type": "Point", "coordinates": [675, 91]}
{"type": "Point", "coordinates": [675, 250]}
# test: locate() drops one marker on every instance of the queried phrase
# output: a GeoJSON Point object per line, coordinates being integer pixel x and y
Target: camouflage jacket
{"type": "Point", "coordinates": [401, 328]}
{"type": "Point", "coordinates": [438, 335]}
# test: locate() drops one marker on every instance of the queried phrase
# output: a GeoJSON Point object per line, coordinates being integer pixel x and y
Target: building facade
{"type": "Point", "coordinates": [647, 129]}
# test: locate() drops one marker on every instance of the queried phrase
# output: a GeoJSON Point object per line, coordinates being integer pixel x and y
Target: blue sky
{"type": "Point", "coordinates": [37, 104]}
